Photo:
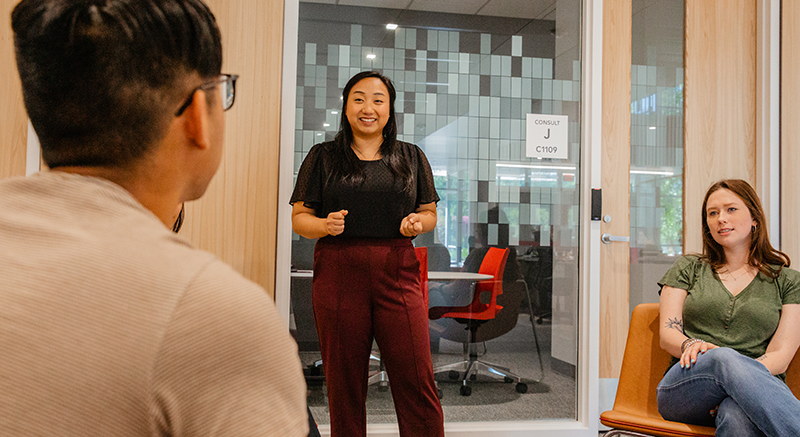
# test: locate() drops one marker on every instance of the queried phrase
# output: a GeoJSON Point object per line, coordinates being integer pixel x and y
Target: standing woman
{"type": "Point", "coordinates": [365, 195]}
{"type": "Point", "coordinates": [731, 319]}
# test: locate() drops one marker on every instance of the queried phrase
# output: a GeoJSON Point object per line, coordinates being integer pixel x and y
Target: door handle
{"type": "Point", "coordinates": [608, 238]}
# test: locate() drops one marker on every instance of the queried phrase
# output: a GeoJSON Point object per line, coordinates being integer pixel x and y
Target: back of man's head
{"type": "Point", "coordinates": [102, 79]}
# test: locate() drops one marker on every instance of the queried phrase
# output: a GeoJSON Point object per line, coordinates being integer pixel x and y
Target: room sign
{"type": "Point", "coordinates": [546, 136]}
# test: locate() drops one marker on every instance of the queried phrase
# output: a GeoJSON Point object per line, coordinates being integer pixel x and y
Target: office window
{"type": "Point", "coordinates": [656, 144]}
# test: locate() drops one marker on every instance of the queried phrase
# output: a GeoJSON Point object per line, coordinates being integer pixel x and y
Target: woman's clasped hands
{"type": "Point", "coordinates": [411, 226]}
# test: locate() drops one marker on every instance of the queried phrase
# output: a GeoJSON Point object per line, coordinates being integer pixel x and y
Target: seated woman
{"type": "Point", "coordinates": [731, 319]}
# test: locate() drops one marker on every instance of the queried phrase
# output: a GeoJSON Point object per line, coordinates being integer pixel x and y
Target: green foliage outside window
{"type": "Point", "coordinates": [672, 221]}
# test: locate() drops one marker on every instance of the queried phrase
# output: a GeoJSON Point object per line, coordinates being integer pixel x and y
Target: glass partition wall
{"type": "Point", "coordinates": [466, 80]}
{"type": "Point", "coordinates": [656, 144]}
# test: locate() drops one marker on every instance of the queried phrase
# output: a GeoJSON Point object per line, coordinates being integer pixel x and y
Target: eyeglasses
{"type": "Point", "coordinates": [227, 92]}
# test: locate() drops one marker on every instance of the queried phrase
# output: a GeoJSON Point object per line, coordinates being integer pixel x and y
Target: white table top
{"type": "Point", "coordinates": [452, 276]}
{"type": "Point", "coordinates": [432, 275]}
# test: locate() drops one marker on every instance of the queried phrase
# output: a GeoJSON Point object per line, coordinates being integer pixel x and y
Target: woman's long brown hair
{"type": "Point", "coordinates": [762, 255]}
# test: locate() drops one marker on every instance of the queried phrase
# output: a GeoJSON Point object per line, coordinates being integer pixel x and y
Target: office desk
{"type": "Point", "coordinates": [432, 275]}
{"type": "Point", "coordinates": [453, 276]}
{"type": "Point", "coordinates": [302, 274]}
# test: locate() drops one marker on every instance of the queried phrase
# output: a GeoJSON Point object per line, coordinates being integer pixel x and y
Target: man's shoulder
{"type": "Point", "coordinates": [217, 292]}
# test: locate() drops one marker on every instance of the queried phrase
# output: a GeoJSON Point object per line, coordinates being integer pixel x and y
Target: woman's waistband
{"type": "Point", "coordinates": [345, 242]}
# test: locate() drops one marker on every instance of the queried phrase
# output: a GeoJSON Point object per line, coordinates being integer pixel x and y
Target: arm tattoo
{"type": "Point", "coordinates": [761, 358]}
{"type": "Point", "coordinates": [675, 323]}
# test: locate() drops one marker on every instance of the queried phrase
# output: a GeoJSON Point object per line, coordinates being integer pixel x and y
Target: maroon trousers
{"type": "Point", "coordinates": [365, 289]}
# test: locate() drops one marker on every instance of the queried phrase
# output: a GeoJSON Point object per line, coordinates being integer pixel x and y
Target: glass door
{"type": "Point", "coordinates": [475, 81]}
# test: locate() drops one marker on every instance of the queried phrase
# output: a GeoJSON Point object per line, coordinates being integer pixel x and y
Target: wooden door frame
{"type": "Point", "coordinates": [790, 132]}
{"type": "Point", "coordinates": [768, 114]}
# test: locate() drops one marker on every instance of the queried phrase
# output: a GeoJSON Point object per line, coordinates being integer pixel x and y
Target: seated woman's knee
{"type": "Point", "coordinates": [730, 361]}
{"type": "Point", "coordinates": [722, 353]}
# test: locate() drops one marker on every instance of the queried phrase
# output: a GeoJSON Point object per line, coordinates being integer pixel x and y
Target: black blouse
{"type": "Point", "coordinates": [376, 207]}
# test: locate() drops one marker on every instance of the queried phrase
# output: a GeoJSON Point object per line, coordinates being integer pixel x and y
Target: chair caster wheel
{"type": "Point", "coordinates": [473, 377]}
{"type": "Point", "coordinates": [508, 380]}
{"type": "Point", "coordinates": [465, 390]}
{"type": "Point", "coordinates": [383, 387]}
{"type": "Point", "coordinates": [452, 375]}
{"type": "Point", "coordinates": [314, 370]}
{"type": "Point", "coordinates": [439, 393]}
{"type": "Point", "coordinates": [522, 387]}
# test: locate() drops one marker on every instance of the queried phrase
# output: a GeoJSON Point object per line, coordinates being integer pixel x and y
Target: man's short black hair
{"type": "Point", "coordinates": [102, 79]}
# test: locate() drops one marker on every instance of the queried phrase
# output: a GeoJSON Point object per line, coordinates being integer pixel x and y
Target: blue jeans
{"type": "Point", "coordinates": [751, 401]}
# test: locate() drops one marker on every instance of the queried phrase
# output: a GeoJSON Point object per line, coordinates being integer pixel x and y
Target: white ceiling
{"type": "Point", "coordinates": [530, 9]}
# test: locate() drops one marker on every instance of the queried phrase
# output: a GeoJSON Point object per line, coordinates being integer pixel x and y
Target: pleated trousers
{"type": "Point", "coordinates": [367, 289]}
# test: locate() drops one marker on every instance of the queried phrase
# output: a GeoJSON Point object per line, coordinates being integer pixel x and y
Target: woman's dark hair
{"type": "Point", "coordinates": [762, 254]}
{"type": "Point", "coordinates": [102, 79]}
{"type": "Point", "coordinates": [347, 167]}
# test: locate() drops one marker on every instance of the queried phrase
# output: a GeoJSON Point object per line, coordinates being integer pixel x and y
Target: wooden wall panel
{"type": "Point", "coordinates": [13, 119]}
{"type": "Point", "coordinates": [616, 133]}
{"type": "Point", "coordinates": [237, 217]}
{"type": "Point", "coordinates": [790, 131]}
{"type": "Point", "coordinates": [719, 103]}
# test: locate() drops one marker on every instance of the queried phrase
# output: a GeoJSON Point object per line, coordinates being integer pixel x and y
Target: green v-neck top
{"type": "Point", "coordinates": [745, 322]}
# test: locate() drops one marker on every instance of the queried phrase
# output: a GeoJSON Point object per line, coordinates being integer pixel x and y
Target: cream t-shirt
{"type": "Point", "coordinates": [112, 325]}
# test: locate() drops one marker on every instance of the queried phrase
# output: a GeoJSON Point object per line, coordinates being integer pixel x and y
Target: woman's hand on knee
{"type": "Point", "coordinates": [693, 350]}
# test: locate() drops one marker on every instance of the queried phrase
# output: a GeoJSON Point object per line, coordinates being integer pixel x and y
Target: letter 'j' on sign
{"type": "Point", "coordinates": [546, 136]}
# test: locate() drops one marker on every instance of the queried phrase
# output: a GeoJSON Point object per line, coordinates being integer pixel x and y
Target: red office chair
{"type": "Point", "coordinates": [473, 316]}
{"type": "Point", "coordinates": [381, 376]}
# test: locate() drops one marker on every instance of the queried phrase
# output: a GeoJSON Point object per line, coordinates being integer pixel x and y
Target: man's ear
{"type": "Point", "coordinates": [196, 120]}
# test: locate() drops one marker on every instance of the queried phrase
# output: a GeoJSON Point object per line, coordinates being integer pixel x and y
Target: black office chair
{"type": "Point", "coordinates": [486, 318]}
{"type": "Point", "coordinates": [537, 269]}
{"type": "Point", "coordinates": [438, 258]}
{"type": "Point", "coordinates": [305, 326]}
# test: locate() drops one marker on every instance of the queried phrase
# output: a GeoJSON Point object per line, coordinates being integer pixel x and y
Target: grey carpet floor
{"type": "Point", "coordinates": [554, 397]}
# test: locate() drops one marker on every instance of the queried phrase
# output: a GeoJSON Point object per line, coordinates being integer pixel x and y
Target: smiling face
{"type": "Point", "coordinates": [368, 108]}
{"type": "Point", "coordinates": [729, 220]}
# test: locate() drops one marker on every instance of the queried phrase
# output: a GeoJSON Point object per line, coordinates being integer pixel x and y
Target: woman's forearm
{"type": "Point", "coordinates": [670, 339]}
{"type": "Point", "coordinates": [773, 363]}
{"type": "Point", "coordinates": [783, 345]}
{"type": "Point", "coordinates": [428, 220]}
{"type": "Point", "coordinates": [309, 225]}
{"type": "Point", "coordinates": [671, 335]}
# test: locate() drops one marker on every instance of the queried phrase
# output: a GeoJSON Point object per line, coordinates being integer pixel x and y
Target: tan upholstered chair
{"type": "Point", "coordinates": [635, 411]}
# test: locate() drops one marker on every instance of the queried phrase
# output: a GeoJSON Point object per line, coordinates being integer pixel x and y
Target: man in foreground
{"type": "Point", "coordinates": [111, 325]}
